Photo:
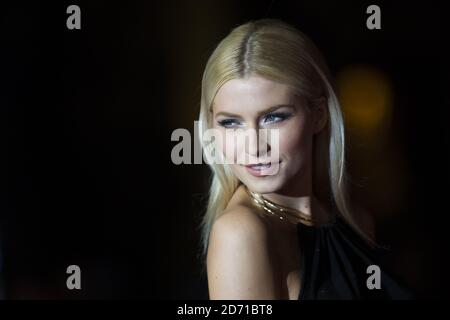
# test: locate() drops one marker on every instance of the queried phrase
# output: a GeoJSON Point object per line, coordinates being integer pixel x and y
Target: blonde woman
{"type": "Point", "coordinates": [280, 228]}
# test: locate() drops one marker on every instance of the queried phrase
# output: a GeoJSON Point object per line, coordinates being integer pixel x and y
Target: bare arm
{"type": "Point", "coordinates": [239, 263]}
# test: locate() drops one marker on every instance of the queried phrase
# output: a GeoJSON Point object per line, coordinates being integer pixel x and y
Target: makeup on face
{"type": "Point", "coordinates": [241, 110]}
{"type": "Point", "coordinates": [270, 116]}
{"type": "Point", "coordinates": [263, 169]}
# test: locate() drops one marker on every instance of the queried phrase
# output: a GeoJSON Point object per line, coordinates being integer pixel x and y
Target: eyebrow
{"type": "Point", "coordinates": [268, 110]}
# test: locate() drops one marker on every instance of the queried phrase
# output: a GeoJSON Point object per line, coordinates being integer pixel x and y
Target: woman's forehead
{"type": "Point", "coordinates": [252, 93]}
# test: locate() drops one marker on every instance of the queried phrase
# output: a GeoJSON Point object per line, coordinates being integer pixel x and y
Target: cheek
{"type": "Point", "coordinates": [229, 145]}
{"type": "Point", "coordinates": [236, 145]}
{"type": "Point", "coordinates": [220, 143]}
{"type": "Point", "coordinates": [295, 139]}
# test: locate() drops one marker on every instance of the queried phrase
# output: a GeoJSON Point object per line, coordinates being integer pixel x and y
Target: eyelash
{"type": "Point", "coordinates": [282, 116]}
{"type": "Point", "coordinates": [226, 123]}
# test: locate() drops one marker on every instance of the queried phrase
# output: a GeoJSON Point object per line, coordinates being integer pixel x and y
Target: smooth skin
{"type": "Point", "coordinates": [252, 256]}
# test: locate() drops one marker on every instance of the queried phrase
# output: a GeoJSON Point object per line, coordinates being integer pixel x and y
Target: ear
{"type": "Point", "coordinates": [320, 112]}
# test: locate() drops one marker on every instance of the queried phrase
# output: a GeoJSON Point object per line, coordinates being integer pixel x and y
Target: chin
{"type": "Point", "coordinates": [263, 185]}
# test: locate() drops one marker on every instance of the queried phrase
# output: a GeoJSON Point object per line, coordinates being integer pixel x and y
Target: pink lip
{"type": "Point", "coordinates": [262, 169]}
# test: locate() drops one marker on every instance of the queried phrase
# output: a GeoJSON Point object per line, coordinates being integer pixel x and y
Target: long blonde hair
{"type": "Point", "coordinates": [277, 51]}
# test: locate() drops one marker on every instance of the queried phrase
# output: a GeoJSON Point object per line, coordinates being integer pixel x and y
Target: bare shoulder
{"type": "Point", "coordinates": [240, 219]}
{"type": "Point", "coordinates": [242, 222]}
{"type": "Point", "coordinates": [239, 261]}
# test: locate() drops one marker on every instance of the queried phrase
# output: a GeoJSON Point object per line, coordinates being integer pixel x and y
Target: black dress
{"type": "Point", "coordinates": [334, 265]}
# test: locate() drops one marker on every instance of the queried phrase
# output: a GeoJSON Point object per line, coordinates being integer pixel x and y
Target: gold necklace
{"type": "Point", "coordinates": [283, 213]}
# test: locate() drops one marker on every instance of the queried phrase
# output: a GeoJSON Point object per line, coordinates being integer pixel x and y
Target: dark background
{"type": "Point", "coordinates": [86, 118]}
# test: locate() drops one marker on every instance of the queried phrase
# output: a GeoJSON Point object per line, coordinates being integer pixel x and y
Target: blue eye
{"type": "Point", "coordinates": [275, 117]}
{"type": "Point", "coordinates": [227, 123]}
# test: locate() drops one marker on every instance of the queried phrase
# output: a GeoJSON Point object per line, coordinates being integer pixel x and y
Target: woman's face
{"type": "Point", "coordinates": [258, 103]}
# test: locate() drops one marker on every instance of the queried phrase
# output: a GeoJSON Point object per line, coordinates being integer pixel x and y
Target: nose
{"type": "Point", "coordinates": [257, 143]}
{"type": "Point", "coordinates": [252, 143]}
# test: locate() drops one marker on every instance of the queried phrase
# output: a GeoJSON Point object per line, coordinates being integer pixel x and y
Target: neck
{"type": "Point", "coordinates": [300, 197]}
